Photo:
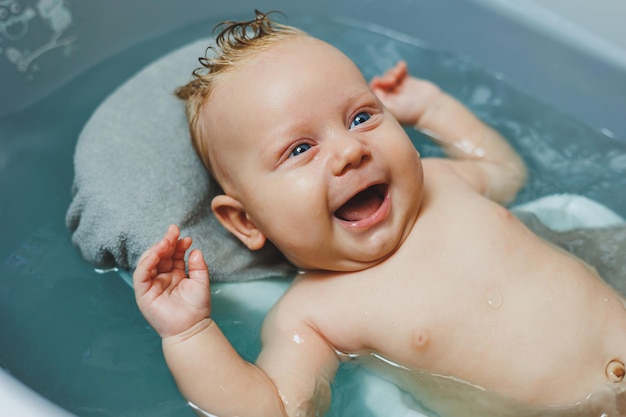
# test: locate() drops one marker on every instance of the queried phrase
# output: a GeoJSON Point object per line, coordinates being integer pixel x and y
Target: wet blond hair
{"type": "Point", "coordinates": [236, 42]}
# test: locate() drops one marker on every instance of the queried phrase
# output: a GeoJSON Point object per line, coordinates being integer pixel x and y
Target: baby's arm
{"type": "Point", "coordinates": [482, 156]}
{"type": "Point", "coordinates": [207, 369]}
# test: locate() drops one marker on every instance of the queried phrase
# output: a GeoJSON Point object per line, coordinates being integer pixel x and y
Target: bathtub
{"type": "Point", "coordinates": [55, 69]}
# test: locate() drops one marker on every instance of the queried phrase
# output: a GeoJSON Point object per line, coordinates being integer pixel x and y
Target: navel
{"type": "Point", "coordinates": [615, 371]}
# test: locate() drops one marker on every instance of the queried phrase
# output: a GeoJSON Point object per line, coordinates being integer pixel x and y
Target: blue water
{"type": "Point", "coordinates": [76, 336]}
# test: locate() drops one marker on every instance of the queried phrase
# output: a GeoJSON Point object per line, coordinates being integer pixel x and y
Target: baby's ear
{"type": "Point", "coordinates": [233, 216]}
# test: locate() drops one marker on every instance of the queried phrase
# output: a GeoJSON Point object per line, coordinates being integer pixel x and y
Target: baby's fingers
{"type": "Point", "coordinates": [171, 240]}
{"type": "Point", "coordinates": [198, 269]}
{"type": "Point", "coordinates": [390, 79]}
{"type": "Point", "coordinates": [145, 272]}
{"type": "Point", "coordinates": [164, 247]}
{"type": "Point", "coordinates": [181, 247]}
{"type": "Point", "coordinates": [149, 263]}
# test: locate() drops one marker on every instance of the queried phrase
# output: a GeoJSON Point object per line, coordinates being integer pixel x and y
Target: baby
{"type": "Point", "coordinates": [415, 261]}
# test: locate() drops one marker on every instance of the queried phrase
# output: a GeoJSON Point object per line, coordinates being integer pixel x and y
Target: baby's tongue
{"type": "Point", "coordinates": [359, 207]}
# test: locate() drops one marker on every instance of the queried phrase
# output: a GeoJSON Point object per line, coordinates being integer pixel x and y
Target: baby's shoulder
{"type": "Point", "coordinates": [308, 284]}
{"type": "Point", "coordinates": [300, 304]}
{"type": "Point", "coordinates": [309, 289]}
{"type": "Point", "coordinates": [443, 174]}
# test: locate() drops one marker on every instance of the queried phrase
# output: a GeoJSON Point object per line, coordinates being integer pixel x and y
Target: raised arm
{"type": "Point", "coordinates": [479, 153]}
{"type": "Point", "coordinates": [207, 369]}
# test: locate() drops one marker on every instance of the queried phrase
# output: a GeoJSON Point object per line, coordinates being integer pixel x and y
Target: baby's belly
{"type": "Point", "coordinates": [451, 397]}
{"type": "Point", "coordinates": [540, 341]}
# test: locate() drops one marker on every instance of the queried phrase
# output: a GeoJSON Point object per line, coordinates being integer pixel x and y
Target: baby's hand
{"type": "Point", "coordinates": [170, 301]}
{"type": "Point", "coordinates": [406, 97]}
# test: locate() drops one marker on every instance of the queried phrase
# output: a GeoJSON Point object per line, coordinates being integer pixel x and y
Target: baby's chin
{"type": "Point", "coordinates": [346, 265]}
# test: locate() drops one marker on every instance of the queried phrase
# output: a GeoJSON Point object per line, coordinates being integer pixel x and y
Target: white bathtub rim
{"type": "Point", "coordinates": [18, 400]}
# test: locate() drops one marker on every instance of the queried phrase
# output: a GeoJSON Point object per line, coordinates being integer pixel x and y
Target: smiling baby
{"type": "Point", "coordinates": [416, 260]}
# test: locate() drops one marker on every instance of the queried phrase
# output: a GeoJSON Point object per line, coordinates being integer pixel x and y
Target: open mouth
{"type": "Point", "coordinates": [363, 205]}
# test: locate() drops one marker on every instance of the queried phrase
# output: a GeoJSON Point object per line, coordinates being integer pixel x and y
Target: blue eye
{"type": "Point", "coordinates": [360, 118]}
{"type": "Point", "coordinates": [300, 149]}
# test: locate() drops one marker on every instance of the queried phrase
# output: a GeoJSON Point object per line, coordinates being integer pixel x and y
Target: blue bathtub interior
{"type": "Point", "coordinates": [73, 335]}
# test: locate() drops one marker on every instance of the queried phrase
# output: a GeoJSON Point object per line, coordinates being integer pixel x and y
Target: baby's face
{"type": "Point", "coordinates": [321, 168]}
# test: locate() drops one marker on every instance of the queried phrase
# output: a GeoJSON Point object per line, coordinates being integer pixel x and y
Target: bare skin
{"type": "Point", "coordinates": [428, 270]}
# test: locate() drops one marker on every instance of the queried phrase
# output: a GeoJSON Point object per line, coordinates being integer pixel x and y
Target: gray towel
{"type": "Point", "coordinates": [136, 173]}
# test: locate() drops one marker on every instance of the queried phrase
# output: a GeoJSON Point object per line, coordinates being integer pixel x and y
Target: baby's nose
{"type": "Point", "coordinates": [349, 153]}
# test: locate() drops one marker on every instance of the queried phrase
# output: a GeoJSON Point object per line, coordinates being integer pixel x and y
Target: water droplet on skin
{"type": "Point", "coordinates": [494, 299]}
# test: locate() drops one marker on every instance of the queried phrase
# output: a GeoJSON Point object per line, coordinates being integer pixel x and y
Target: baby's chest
{"type": "Point", "coordinates": [415, 317]}
{"type": "Point", "coordinates": [403, 324]}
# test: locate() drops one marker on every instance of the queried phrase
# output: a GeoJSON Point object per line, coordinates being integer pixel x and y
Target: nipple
{"type": "Point", "coordinates": [421, 338]}
{"type": "Point", "coordinates": [615, 371]}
